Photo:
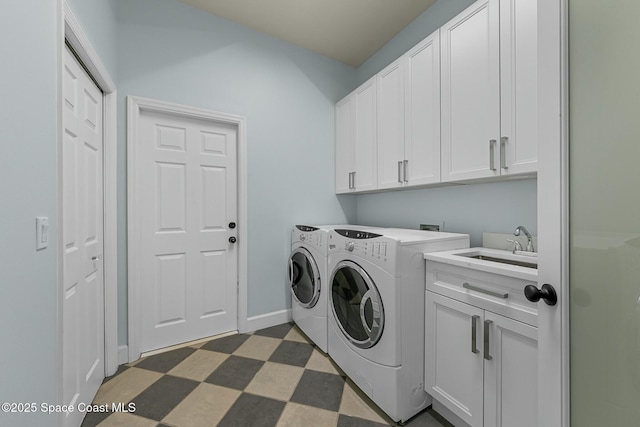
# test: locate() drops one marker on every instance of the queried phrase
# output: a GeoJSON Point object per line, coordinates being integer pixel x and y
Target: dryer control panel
{"type": "Point", "coordinates": [357, 234]}
{"type": "Point", "coordinates": [373, 247]}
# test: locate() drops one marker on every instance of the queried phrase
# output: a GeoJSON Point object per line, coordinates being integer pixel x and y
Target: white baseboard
{"type": "Point", "coordinates": [252, 324]}
{"type": "Point", "coordinates": [267, 320]}
{"type": "Point", "coordinates": [123, 354]}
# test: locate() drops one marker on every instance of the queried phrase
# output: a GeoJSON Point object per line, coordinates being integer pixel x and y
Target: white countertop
{"type": "Point", "coordinates": [455, 258]}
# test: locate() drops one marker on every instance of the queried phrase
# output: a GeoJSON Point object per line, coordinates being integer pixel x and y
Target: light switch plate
{"type": "Point", "coordinates": [42, 232]}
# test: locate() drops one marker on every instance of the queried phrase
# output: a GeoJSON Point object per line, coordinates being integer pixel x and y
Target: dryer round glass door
{"type": "Point", "coordinates": [356, 304]}
{"type": "Point", "coordinates": [304, 278]}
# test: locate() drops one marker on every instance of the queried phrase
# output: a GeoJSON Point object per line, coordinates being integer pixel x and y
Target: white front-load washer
{"type": "Point", "coordinates": [308, 277]}
{"type": "Point", "coordinates": [376, 314]}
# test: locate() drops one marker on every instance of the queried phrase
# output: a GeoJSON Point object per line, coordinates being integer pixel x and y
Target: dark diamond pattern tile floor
{"type": "Point", "coordinates": [218, 383]}
{"type": "Point", "coordinates": [164, 362]}
{"type": "Point", "coordinates": [292, 353]}
{"type": "Point", "coordinates": [162, 396]}
{"type": "Point", "coordinates": [235, 372]}
{"type": "Point", "coordinates": [319, 389]}
{"type": "Point", "coordinates": [226, 344]}
{"type": "Point", "coordinates": [251, 410]}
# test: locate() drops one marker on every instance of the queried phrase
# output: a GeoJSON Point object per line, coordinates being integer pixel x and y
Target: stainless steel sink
{"type": "Point", "coordinates": [528, 260]}
{"type": "Point", "coordinates": [504, 261]}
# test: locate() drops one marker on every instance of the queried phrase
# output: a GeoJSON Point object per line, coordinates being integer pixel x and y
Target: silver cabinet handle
{"type": "Point", "coordinates": [474, 334]}
{"type": "Point", "coordinates": [354, 180]}
{"type": "Point", "coordinates": [492, 149]}
{"type": "Point", "coordinates": [400, 171]}
{"type": "Point", "coordinates": [487, 328]}
{"type": "Point", "coordinates": [95, 258]}
{"type": "Point", "coordinates": [503, 152]}
{"type": "Point", "coordinates": [350, 180]}
{"type": "Point", "coordinates": [504, 295]}
{"type": "Point", "coordinates": [406, 166]}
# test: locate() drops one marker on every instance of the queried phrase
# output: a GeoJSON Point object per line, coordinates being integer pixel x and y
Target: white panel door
{"type": "Point", "coordinates": [470, 46]}
{"type": "Point", "coordinates": [390, 122]}
{"type": "Point", "coordinates": [82, 210]}
{"type": "Point", "coordinates": [187, 182]}
{"type": "Point", "coordinates": [453, 358]}
{"type": "Point", "coordinates": [511, 376]}
{"type": "Point", "coordinates": [422, 112]}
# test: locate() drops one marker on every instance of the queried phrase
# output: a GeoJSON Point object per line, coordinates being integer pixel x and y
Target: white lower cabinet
{"type": "Point", "coordinates": [480, 365]}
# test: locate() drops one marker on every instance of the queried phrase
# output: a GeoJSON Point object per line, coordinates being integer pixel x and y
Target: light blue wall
{"type": "Point", "coordinates": [495, 207]}
{"type": "Point", "coordinates": [429, 21]}
{"type": "Point", "coordinates": [98, 20]}
{"type": "Point", "coordinates": [28, 96]}
{"type": "Point", "coordinates": [172, 52]}
{"type": "Point", "coordinates": [471, 209]}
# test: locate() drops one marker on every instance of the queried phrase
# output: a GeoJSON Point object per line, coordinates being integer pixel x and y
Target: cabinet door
{"type": "Point", "coordinates": [519, 86]}
{"type": "Point", "coordinates": [422, 111]}
{"type": "Point", "coordinates": [344, 144]}
{"type": "Point", "coordinates": [511, 376]}
{"type": "Point", "coordinates": [391, 136]}
{"type": "Point", "coordinates": [365, 155]}
{"type": "Point", "coordinates": [470, 47]}
{"type": "Point", "coordinates": [453, 364]}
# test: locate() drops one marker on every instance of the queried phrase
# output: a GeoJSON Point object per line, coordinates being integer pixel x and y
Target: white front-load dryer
{"type": "Point", "coordinates": [308, 279]}
{"type": "Point", "coordinates": [376, 312]}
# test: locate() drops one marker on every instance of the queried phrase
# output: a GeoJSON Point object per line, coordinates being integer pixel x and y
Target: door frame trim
{"type": "Point", "coordinates": [553, 212]}
{"type": "Point", "coordinates": [135, 105]}
{"type": "Point", "coordinates": [70, 29]}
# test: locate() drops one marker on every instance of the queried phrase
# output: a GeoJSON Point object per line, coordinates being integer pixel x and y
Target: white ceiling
{"type": "Point", "coordinates": [347, 30]}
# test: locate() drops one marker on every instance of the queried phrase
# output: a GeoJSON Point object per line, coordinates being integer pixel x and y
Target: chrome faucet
{"type": "Point", "coordinates": [520, 229]}
{"type": "Point", "coordinates": [516, 245]}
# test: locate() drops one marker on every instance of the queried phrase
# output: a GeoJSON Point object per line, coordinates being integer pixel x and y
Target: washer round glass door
{"type": "Point", "coordinates": [304, 278]}
{"type": "Point", "coordinates": [356, 304]}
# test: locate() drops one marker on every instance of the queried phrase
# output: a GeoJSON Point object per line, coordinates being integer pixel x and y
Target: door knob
{"type": "Point", "coordinates": [232, 225]}
{"type": "Point", "coordinates": [232, 239]}
{"type": "Point", "coordinates": [547, 293]}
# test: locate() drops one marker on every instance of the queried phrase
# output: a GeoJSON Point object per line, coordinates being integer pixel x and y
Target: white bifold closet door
{"type": "Point", "coordinates": [83, 246]}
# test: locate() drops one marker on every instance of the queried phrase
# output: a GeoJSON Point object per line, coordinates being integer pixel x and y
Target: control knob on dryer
{"type": "Point", "coordinates": [350, 246]}
{"type": "Point", "coordinates": [303, 237]}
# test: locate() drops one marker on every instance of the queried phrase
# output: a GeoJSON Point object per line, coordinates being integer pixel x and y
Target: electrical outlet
{"type": "Point", "coordinates": [430, 227]}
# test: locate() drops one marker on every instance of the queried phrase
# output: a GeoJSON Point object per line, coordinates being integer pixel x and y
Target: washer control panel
{"type": "Point", "coordinates": [310, 236]}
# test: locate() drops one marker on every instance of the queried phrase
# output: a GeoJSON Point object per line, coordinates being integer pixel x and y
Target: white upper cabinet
{"type": "Point", "coordinates": [461, 105]}
{"type": "Point", "coordinates": [422, 111]}
{"type": "Point", "coordinates": [519, 85]}
{"type": "Point", "coordinates": [471, 93]}
{"type": "Point", "coordinates": [344, 144]}
{"type": "Point", "coordinates": [489, 94]}
{"type": "Point", "coordinates": [409, 118]}
{"type": "Point", "coordinates": [356, 136]}
{"type": "Point", "coordinates": [391, 147]}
